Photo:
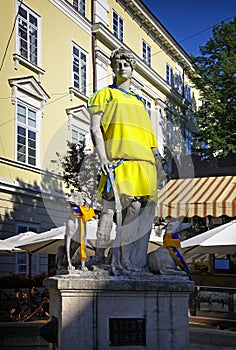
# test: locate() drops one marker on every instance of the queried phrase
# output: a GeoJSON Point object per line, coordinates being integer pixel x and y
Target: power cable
{"type": "Point", "coordinates": [204, 30]}
{"type": "Point", "coordinates": [196, 34]}
{"type": "Point", "coordinates": [10, 37]}
{"type": "Point", "coordinates": [67, 94]}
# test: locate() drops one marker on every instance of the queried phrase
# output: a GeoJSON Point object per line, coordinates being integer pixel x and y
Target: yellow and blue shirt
{"type": "Point", "coordinates": [128, 135]}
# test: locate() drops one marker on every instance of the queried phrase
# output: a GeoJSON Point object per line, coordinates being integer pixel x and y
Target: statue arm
{"type": "Point", "coordinates": [156, 152]}
{"type": "Point", "coordinates": [98, 140]}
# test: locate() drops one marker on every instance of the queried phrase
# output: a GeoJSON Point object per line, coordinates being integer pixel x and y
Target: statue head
{"type": "Point", "coordinates": [122, 53]}
{"type": "Point", "coordinates": [171, 240]}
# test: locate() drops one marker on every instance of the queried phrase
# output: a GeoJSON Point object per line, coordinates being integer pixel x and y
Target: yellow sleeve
{"type": "Point", "coordinates": [97, 101]}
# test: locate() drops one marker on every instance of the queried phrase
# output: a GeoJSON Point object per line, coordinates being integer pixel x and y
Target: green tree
{"type": "Point", "coordinates": [80, 170]}
{"type": "Point", "coordinates": [215, 78]}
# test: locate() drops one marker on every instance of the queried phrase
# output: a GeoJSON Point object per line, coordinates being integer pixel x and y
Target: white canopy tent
{"type": "Point", "coordinates": [48, 242]}
{"type": "Point", "coordinates": [219, 240]}
{"type": "Point", "coordinates": [7, 247]}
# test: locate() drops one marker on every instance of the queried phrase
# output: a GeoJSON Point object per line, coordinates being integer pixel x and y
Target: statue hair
{"type": "Point", "coordinates": [122, 53]}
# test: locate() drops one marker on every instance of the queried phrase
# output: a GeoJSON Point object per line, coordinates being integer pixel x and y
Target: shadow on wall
{"type": "Point", "coordinates": [28, 207]}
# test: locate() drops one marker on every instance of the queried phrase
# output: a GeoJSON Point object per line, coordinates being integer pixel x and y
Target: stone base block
{"type": "Point", "coordinates": [99, 312]}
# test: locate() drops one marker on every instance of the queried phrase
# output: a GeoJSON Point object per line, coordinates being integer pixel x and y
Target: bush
{"type": "Point", "coordinates": [21, 281]}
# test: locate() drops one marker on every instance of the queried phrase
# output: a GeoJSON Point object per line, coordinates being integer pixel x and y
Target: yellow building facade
{"type": "Point", "coordinates": [54, 54]}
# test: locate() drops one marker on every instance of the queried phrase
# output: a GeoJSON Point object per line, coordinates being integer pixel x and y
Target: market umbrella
{"type": "Point", "coordinates": [48, 242]}
{"type": "Point", "coordinates": [7, 247]}
{"type": "Point", "coordinates": [219, 240]}
{"type": "Point", "coordinates": [31, 242]}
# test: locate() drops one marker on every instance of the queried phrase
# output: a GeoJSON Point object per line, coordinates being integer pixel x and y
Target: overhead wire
{"type": "Point", "coordinates": [64, 94]}
{"type": "Point", "coordinates": [197, 33]}
{"type": "Point", "coordinates": [68, 94]}
{"type": "Point", "coordinates": [10, 37]}
{"type": "Point", "coordinates": [206, 29]}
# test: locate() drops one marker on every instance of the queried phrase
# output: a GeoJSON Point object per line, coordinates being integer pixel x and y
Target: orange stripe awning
{"type": "Point", "coordinates": [215, 196]}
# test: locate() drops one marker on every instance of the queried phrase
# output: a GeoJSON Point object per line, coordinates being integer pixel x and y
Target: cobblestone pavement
{"type": "Point", "coordinates": [210, 347]}
{"type": "Point", "coordinates": [212, 339]}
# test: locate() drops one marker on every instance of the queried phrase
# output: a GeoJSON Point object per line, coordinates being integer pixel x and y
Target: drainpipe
{"type": "Point", "coordinates": [93, 50]}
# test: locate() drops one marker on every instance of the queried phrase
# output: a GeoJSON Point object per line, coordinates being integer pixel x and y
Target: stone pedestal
{"type": "Point", "coordinates": [100, 312]}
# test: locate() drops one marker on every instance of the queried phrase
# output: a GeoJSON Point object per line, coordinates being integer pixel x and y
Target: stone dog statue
{"type": "Point", "coordinates": [167, 259]}
{"type": "Point", "coordinates": [70, 256]}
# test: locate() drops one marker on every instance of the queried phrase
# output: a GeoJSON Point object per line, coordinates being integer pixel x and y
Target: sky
{"type": "Point", "coordinates": [190, 22]}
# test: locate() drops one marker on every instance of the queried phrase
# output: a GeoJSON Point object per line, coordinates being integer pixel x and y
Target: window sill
{"type": "Point", "coordinates": [75, 93]}
{"type": "Point", "coordinates": [146, 62]}
{"type": "Point", "coordinates": [20, 60]}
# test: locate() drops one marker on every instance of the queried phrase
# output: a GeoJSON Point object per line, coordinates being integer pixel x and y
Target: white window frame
{"type": "Point", "coordinates": [169, 75]}
{"type": "Point", "coordinates": [19, 58]}
{"type": "Point", "coordinates": [170, 125]}
{"type": "Point", "coordinates": [81, 135]}
{"type": "Point", "coordinates": [84, 89]}
{"type": "Point", "coordinates": [29, 93]}
{"type": "Point", "coordinates": [187, 93]}
{"type": "Point", "coordinates": [179, 79]}
{"type": "Point", "coordinates": [80, 6]}
{"type": "Point", "coordinates": [28, 128]}
{"type": "Point", "coordinates": [146, 53]}
{"type": "Point", "coordinates": [25, 256]}
{"type": "Point", "coordinates": [118, 29]}
{"type": "Point", "coordinates": [79, 120]}
{"type": "Point", "coordinates": [148, 105]}
{"type": "Point", "coordinates": [188, 142]}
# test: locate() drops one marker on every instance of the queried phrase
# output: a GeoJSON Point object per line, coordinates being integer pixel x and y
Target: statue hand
{"type": "Point", "coordinates": [105, 166]}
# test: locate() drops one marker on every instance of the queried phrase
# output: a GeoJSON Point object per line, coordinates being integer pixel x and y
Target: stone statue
{"type": "Point", "coordinates": [72, 254]}
{"type": "Point", "coordinates": [167, 259]}
{"type": "Point", "coordinates": [126, 144]}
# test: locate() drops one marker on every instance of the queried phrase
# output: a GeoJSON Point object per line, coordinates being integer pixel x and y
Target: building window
{"type": "Point", "coordinates": [28, 35]}
{"type": "Point", "coordinates": [169, 75]}
{"type": "Point", "coordinates": [118, 26]}
{"type": "Point", "coordinates": [170, 131]}
{"type": "Point", "coordinates": [204, 148]}
{"type": "Point", "coordinates": [179, 83]}
{"type": "Point", "coordinates": [22, 259]}
{"type": "Point", "coordinates": [80, 69]}
{"type": "Point", "coordinates": [187, 93]}
{"type": "Point", "coordinates": [29, 99]}
{"type": "Point", "coordinates": [79, 5]}
{"type": "Point", "coordinates": [77, 136]}
{"type": "Point", "coordinates": [148, 106]}
{"type": "Point", "coordinates": [79, 126]}
{"type": "Point", "coordinates": [147, 53]}
{"type": "Point", "coordinates": [26, 135]}
{"type": "Point", "coordinates": [188, 141]}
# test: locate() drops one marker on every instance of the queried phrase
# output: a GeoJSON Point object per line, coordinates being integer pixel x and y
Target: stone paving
{"type": "Point", "coordinates": [212, 339]}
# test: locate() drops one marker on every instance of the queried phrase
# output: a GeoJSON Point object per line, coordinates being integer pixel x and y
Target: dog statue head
{"type": "Point", "coordinates": [171, 240]}
{"type": "Point", "coordinates": [75, 199]}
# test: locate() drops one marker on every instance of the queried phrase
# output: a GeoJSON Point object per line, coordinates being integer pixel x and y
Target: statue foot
{"type": "Point", "coordinates": [83, 267]}
{"type": "Point", "coordinates": [71, 269]}
{"type": "Point", "coordinates": [96, 260]}
{"type": "Point", "coordinates": [117, 270]}
{"type": "Point", "coordinates": [129, 267]}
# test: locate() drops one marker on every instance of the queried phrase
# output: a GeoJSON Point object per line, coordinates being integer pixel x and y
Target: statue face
{"type": "Point", "coordinates": [122, 70]}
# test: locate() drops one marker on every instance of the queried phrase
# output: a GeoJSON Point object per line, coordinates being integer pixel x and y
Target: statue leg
{"type": "Point", "coordinates": [146, 218]}
{"type": "Point", "coordinates": [104, 229]}
{"type": "Point", "coordinates": [72, 226]}
{"type": "Point", "coordinates": [129, 233]}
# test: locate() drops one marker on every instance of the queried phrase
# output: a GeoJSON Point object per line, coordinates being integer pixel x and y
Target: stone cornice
{"type": "Point", "coordinates": [14, 186]}
{"type": "Point", "coordinates": [67, 8]}
{"type": "Point", "coordinates": [30, 168]}
{"type": "Point", "coordinates": [106, 36]}
{"type": "Point", "coordinates": [144, 17]}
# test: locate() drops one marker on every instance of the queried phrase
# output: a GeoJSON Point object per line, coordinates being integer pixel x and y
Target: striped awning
{"type": "Point", "coordinates": [215, 196]}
